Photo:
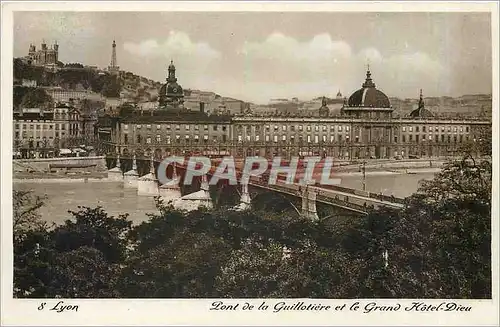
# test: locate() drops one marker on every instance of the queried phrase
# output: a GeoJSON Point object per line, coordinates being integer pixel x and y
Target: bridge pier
{"type": "Point", "coordinates": [245, 201]}
{"type": "Point", "coordinates": [206, 201]}
{"type": "Point", "coordinates": [196, 199]}
{"type": "Point", "coordinates": [115, 174]}
{"type": "Point", "coordinates": [171, 191]}
{"type": "Point", "coordinates": [309, 204]}
{"type": "Point", "coordinates": [148, 184]}
{"type": "Point", "coordinates": [130, 177]}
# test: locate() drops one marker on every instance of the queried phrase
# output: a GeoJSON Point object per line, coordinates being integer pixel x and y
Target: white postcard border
{"type": "Point", "coordinates": [196, 312]}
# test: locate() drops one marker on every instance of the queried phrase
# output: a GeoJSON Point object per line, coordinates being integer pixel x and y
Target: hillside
{"type": "Point", "coordinates": [138, 88]}
{"type": "Point", "coordinates": [75, 76]}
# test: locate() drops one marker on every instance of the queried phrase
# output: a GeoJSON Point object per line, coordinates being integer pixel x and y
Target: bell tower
{"type": "Point", "coordinates": [171, 73]}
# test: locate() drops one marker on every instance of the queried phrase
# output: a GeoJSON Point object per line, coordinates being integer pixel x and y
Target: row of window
{"type": "Point", "coordinates": [436, 129]}
{"type": "Point", "coordinates": [299, 128]}
{"type": "Point", "coordinates": [436, 138]}
{"type": "Point", "coordinates": [308, 138]}
{"type": "Point", "coordinates": [25, 135]}
{"type": "Point", "coordinates": [178, 127]}
{"type": "Point", "coordinates": [168, 139]}
{"type": "Point", "coordinates": [42, 126]}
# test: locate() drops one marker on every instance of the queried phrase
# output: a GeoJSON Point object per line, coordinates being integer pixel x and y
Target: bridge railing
{"type": "Point", "coordinates": [337, 188]}
{"type": "Point", "coordinates": [343, 203]}
{"type": "Point", "coordinates": [387, 198]}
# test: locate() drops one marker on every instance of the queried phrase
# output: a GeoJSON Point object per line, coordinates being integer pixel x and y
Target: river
{"type": "Point", "coordinates": [61, 197]}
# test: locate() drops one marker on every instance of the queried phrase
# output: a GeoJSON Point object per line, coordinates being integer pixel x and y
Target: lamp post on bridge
{"type": "Point", "coordinates": [363, 169]}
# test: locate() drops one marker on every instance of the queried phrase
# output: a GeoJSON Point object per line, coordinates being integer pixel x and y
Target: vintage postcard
{"type": "Point", "coordinates": [239, 163]}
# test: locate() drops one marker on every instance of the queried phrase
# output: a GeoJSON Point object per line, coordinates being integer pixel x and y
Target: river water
{"type": "Point", "coordinates": [61, 197]}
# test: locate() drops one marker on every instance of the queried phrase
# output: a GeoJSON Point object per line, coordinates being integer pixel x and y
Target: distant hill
{"type": "Point", "coordinates": [464, 106]}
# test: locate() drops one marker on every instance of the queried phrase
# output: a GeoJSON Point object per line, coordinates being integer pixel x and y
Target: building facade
{"type": "Point", "coordinates": [364, 128]}
{"type": "Point", "coordinates": [60, 94]}
{"type": "Point", "coordinates": [41, 133]}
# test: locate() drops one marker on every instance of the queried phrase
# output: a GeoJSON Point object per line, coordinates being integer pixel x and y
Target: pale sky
{"type": "Point", "coordinates": [258, 56]}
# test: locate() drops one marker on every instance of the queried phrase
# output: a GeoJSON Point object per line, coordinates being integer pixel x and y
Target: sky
{"type": "Point", "coordinates": [257, 56]}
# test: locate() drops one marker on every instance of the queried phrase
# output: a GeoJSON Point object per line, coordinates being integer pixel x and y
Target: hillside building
{"type": "Point", "coordinates": [45, 56]}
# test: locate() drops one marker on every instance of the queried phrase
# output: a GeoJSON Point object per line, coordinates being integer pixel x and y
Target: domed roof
{"type": "Point", "coordinates": [421, 112]}
{"type": "Point", "coordinates": [369, 96]}
{"type": "Point", "coordinates": [174, 89]}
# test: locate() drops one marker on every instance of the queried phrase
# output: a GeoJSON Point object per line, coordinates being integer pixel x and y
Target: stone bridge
{"type": "Point", "coordinates": [352, 200]}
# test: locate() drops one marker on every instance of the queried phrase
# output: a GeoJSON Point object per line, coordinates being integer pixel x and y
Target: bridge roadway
{"type": "Point", "coordinates": [341, 197]}
{"type": "Point", "coordinates": [349, 201]}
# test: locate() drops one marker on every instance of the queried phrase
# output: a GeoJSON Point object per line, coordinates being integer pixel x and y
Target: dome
{"type": "Point", "coordinates": [174, 89]}
{"type": "Point", "coordinates": [421, 112]}
{"type": "Point", "coordinates": [369, 96]}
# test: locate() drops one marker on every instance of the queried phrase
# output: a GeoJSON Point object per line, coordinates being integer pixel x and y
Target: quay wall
{"type": "Point", "coordinates": [97, 163]}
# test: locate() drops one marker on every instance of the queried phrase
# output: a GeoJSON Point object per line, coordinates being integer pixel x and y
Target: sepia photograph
{"type": "Point", "coordinates": [223, 155]}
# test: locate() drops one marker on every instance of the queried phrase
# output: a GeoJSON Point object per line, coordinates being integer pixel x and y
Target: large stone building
{"type": "Point", "coordinates": [42, 133]}
{"type": "Point", "coordinates": [60, 94]}
{"type": "Point", "coordinates": [45, 56]}
{"type": "Point", "coordinates": [364, 128]}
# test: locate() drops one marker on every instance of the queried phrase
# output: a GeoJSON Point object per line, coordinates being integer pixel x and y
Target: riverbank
{"type": "Point", "coordinates": [390, 165]}
{"type": "Point", "coordinates": [61, 180]}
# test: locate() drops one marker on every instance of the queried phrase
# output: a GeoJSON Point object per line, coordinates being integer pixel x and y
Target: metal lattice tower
{"type": "Point", "coordinates": [113, 56]}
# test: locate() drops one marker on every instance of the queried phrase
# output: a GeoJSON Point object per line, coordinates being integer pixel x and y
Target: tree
{"type": "Point", "coordinates": [36, 98]}
{"type": "Point", "coordinates": [73, 65]}
{"type": "Point", "coordinates": [81, 258]}
{"type": "Point", "coordinates": [111, 87]}
{"type": "Point", "coordinates": [94, 228]}
{"type": "Point", "coordinates": [83, 273]}
{"type": "Point", "coordinates": [184, 266]}
{"type": "Point", "coordinates": [251, 271]}
{"type": "Point", "coordinates": [126, 109]}
{"type": "Point", "coordinates": [25, 214]}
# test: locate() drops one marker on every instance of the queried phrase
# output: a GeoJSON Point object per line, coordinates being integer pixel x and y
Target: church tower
{"type": "Point", "coordinates": [171, 94]}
